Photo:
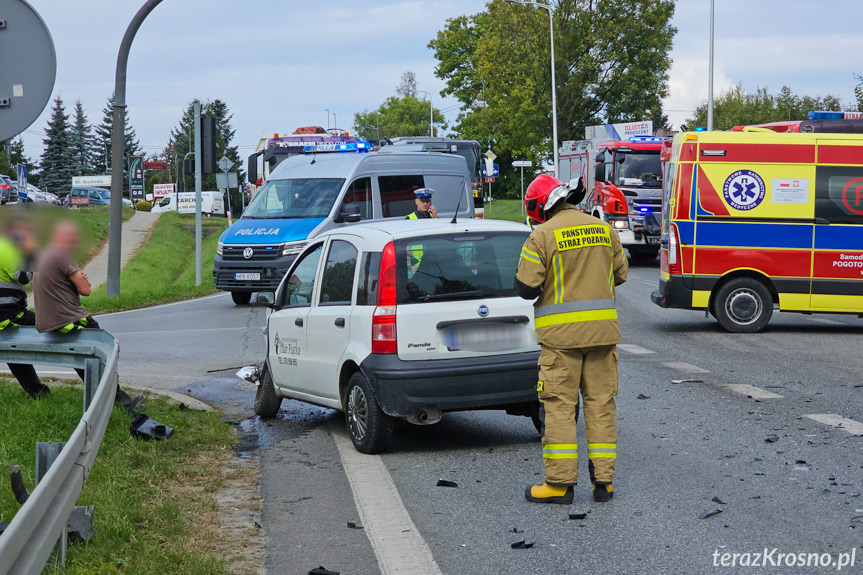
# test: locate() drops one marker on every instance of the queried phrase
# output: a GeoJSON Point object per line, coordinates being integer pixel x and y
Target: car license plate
{"type": "Point", "coordinates": [492, 337]}
{"type": "Point", "coordinates": [247, 277]}
{"type": "Point", "coordinates": [653, 240]}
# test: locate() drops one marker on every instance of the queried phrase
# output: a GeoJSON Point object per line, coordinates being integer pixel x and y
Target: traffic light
{"type": "Point", "coordinates": [208, 145]}
{"type": "Point", "coordinates": [189, 166]}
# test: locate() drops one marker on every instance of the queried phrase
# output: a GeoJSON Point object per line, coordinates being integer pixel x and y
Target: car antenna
{"type": "Point", "coordinates": [458, 206]}
{"type": "Point", "coordinates": [313, 158]}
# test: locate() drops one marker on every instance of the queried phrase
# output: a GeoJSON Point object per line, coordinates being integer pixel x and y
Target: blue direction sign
{"type": "Point", "coordinates": [495, 173]}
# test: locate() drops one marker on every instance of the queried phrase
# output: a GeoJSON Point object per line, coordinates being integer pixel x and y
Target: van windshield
{"type": "Point", "coordinates": [458, 266]}
{"type": "Point", "coordinates": [296, 198]}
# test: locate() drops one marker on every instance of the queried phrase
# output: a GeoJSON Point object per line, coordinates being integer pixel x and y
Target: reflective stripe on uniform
{"type": "Point", "coordinates": [11, 285]}
{"type": "Point", "coordinates": [11, 300]}
{"type": "Point", "coordinates": [558, 279]}
{"type": "Point", "coordinates": [575, 317]}
{"type": "Point", "coordinates": [571, 306]}
{"type": "Point", "coordinates": [411, 216]}
{"type": "Point", "coordinates": [530, 256]}
{"type": "Point", "coordinates": [602, 450]}
{"type": "Point", "coordinates": [560, 451]}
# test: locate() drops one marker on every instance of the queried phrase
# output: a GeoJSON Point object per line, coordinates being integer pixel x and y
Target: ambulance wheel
{"type": "Point", "coordinates": [743, 305]}
{"type": "Point", "coordinates": [369, 427]}
{"type": "Point", "coordinates": [267, 403]}
{"type": "Point", "coordinates": [241, 297]}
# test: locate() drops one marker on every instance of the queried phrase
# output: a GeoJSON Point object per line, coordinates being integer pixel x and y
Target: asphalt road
{"type": "Point", "coordinates": [787, 477]}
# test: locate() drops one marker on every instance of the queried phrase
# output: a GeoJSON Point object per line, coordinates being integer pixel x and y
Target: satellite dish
{"type": "Point", "coordinates": [28, 67]}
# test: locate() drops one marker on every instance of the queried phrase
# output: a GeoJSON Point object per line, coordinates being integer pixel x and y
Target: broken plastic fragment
{"type": "Point", "coordinates": [577, 516]}
{"type": "Point", "coordinates": [771, 439]}
{"type": "Point", "coordinates": [522, 545]}
{"type": "Point", "coordinates": [323, 571]}
{"type": "Point", "coordinates": [445, 483]}
{"type": "Point", "coordinates": [354, 525]}
{"type": "Point", "coordinates": [517, 530]}
{"type": "Point", "coordinates": [709, 513]}
{"type": "Point", "coordinates": [717, 500]}
{"type": "Point", "coordinates": [147, 427]}
{"type": "Point", "coordinates": [687, 381]}
{"type": "Point", "coordinates": [642, 396]}
{"type": "Point", "coordinates": [250, 373]}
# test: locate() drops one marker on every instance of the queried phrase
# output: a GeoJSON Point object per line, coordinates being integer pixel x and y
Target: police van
{"type": "Point", "coordinates": [764, 217]}
{"type": "Point", "coordinates": [403, 320]}
{"type": "Point", "coordinates": [329, 186]}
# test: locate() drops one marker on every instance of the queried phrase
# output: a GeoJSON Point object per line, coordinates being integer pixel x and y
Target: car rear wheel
{"type": "Point", "coordinates": [267, 403]}
{"type": "Point", "coordinates": [369, 427]}
{"type": "Point", "coordinates": [743, 305]}
{"type": "Point", "coordinates": [241, 298]}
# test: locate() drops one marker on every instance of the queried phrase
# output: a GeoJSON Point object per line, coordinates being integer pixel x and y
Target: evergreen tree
{"type": "Point", "coordinates": [82, 143]}
{"type": "Point", "coordinates": [58, 160]}
{"type": "Point", "coordinates": [18, 156]}
{"type": "Point", "coordinates": [6, 167]}
{"type": "Point", "coordinates": [102, 140]}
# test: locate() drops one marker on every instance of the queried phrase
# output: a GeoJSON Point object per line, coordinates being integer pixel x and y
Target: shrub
{"type": "Point", "coordinates": [144, 206]}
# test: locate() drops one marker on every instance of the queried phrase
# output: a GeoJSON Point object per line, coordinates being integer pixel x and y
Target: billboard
{"type": "Point", "coordinates": [622, 131]}
{"type": "Point", "coordinates": [162, 190]}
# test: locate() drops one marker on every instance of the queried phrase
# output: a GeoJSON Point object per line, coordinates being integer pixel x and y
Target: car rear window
{"type": "Point", "coordinates": [456, 267]}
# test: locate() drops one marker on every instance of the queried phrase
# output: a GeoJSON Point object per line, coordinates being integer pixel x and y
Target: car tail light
{"type": "Point", "coordinates": [384, 319]}
{"type": "Point", "coordinates": [674, 257]}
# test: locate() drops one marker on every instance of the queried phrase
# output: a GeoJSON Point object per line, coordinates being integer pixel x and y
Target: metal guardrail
{"type": "Point", "coordinates": [27, 543]}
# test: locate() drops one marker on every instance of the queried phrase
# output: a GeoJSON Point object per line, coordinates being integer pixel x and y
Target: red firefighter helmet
{"type": "Point", "coordinates": [546, 191]}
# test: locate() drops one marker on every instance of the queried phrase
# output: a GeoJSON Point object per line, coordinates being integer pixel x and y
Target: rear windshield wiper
{"type": "Point", "coordinates": [454, 295]}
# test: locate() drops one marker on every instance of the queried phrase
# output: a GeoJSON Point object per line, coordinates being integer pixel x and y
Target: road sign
{"type": "Point", "coordinates": [136, 179]}
{"type": "Point", "coordinates": [495, 172]}
{"type": "Point", "coordinates": [225, 181]}
{"type": "Point", "coordinates": [522, 164]}
{"type": "Point", "coordinates": [155, 165]}
{"type": "Point", "coordinates": [97, 181]}
{"type": "Point", "coordinates": [29, 66]}
{"type": "Point", "coordinates": [489, 155]}
{"type": "Point", "coordinates": [489, 180]}
{"type": "Point", "coordinates": [162, 190]}
{"type": "Point", "coordinates": [225, 164]}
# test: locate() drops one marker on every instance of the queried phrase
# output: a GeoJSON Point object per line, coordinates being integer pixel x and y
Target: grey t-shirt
{"type": "Point", "coordinates": [55, 296]}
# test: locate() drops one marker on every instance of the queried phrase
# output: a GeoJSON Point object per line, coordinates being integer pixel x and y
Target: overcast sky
{"type": "Point", "coordinates": [279, 64]}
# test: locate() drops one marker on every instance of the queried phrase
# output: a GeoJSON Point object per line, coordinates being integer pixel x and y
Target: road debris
{"type": "Point", "coordinates": [517, 530]}
{"type": "Point", "coordinates": [446, 483]}
{"type": "Point", "coordinates": [522, 545]}
{"type": "Point", "coordinates": [146, 428]}
{"type": "Point", "coordinates": [771, 439]}
{"type": "Point", "coordinates": [676, 381]}
{"type": "Point", "coordinates": [709, 513]}
{"type": "Point", "coordinates": [642, 396]}
{"type": "Point", "coordinates": [717, 500]}
{"type": "Point", "coordinates": [323, 571]}
{"type": "Point", "coordinates": [354, 525]}
{"type": "Point", "coordinates": [577, 516]}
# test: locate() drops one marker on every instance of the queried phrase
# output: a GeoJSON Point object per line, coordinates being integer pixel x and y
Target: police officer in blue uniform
{"type": "Point", "coordinates": [425, 209]}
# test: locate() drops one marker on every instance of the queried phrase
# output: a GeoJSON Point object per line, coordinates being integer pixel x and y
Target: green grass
{"type": "Point", "coordinates": [504, 210]}
{"type": "Point", "coordinates": [164, 270]}
{"type": "Point", "coordinates": [155, 506]}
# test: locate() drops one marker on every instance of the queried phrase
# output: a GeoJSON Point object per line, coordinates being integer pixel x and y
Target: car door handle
{"type": "Point", "coordinates": [340, 322]}
{"type": "Point", "coordinates": [298, 322]}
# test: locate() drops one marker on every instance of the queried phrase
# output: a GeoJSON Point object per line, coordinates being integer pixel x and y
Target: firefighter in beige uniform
{"type": "Point", "coordinates": [572, 263]}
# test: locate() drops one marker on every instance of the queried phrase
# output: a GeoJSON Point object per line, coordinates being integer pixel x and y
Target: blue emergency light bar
{"type": "Point", "coordinates": [644, 139]}
{"type": "Point", "coordinates": [337, 147]}
{"type": "Point", "coordinates": [828, 115]}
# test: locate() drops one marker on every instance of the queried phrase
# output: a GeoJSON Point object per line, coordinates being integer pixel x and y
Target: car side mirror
{"type": "Point", "coordinates": [599, 173]}
{"type": "Point", "coordinates": [267, 299]}
{"type": "Point", "coordinates": [350, 213]}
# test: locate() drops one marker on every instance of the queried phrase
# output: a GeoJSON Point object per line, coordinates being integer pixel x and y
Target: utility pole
{"type": "Point", "coordinates": [118, 137]}
{"type": "Point", "coordinates": [198, 184]}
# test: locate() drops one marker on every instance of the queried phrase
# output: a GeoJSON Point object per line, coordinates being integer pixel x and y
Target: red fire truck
{"type": "Point", "coordinates": [626, 179]}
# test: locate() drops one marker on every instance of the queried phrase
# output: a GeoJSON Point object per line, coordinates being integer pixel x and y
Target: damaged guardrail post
{"type": "Point", "coordinates": [92, 375]}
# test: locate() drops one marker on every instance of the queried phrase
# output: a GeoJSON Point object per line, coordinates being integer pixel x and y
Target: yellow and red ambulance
{"type": "Point", "coordinates": [755, 219]}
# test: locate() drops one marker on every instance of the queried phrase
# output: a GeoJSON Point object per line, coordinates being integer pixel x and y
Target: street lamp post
{"type": "Point", "coordinates": [431, 112]}
{"type": "Point", "coordinates": [710, 78]}
{"type": "Point", "coordinates": [548, 8]}
{"type": "Point", "coordinates": [328, 119]}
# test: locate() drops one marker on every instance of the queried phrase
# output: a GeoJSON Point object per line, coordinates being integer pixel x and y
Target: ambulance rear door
{"type": "Point", "coordinates": [837, 271]}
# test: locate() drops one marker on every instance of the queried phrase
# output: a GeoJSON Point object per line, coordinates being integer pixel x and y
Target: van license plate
{"type": "Point", "coordinates": [247, 277]}
{"type": "Point", "coordinates": [653, 240]}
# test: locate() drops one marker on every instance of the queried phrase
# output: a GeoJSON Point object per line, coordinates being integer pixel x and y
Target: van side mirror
{"type": "Point", "coordinates": [267, 299]}
{"type": "Point", "coordinates": [599, 173]}
{"type": "Point", "coordinates": [350, 213]}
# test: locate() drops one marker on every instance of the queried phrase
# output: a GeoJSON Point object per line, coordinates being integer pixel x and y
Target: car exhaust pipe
{"type": "Point", "coordinates": [428, 415]}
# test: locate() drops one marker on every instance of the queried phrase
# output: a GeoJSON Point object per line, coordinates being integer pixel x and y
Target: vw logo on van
{"type": "Point", "coordinates": [482, 311]}
{"type": "Point", "coordinates": [248, 253]}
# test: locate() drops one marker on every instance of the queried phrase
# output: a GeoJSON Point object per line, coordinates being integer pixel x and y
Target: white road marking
{"type": "Point", "coordinates": [181, 330]}
{"type": "Point", "coordinates": [398, 546]}
{"type": "Point", "coordinates": [634, 349]}
{"type": "Point", "coordinates": [825, 321]}
{"type": "Point", "coordinates": [684, 367]}
{"type": "Point", "coordinates": [164, 305]}
{"type": "Point", "coordinates": [837, 421]}
{"type": "Point", "coordinates": [752, 391]}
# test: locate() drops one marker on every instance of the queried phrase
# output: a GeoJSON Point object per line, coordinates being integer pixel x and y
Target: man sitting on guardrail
{"type": "Point", "coordinates": [17, 249]}
{"type": "Point", "coordinates": [60, 283]}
